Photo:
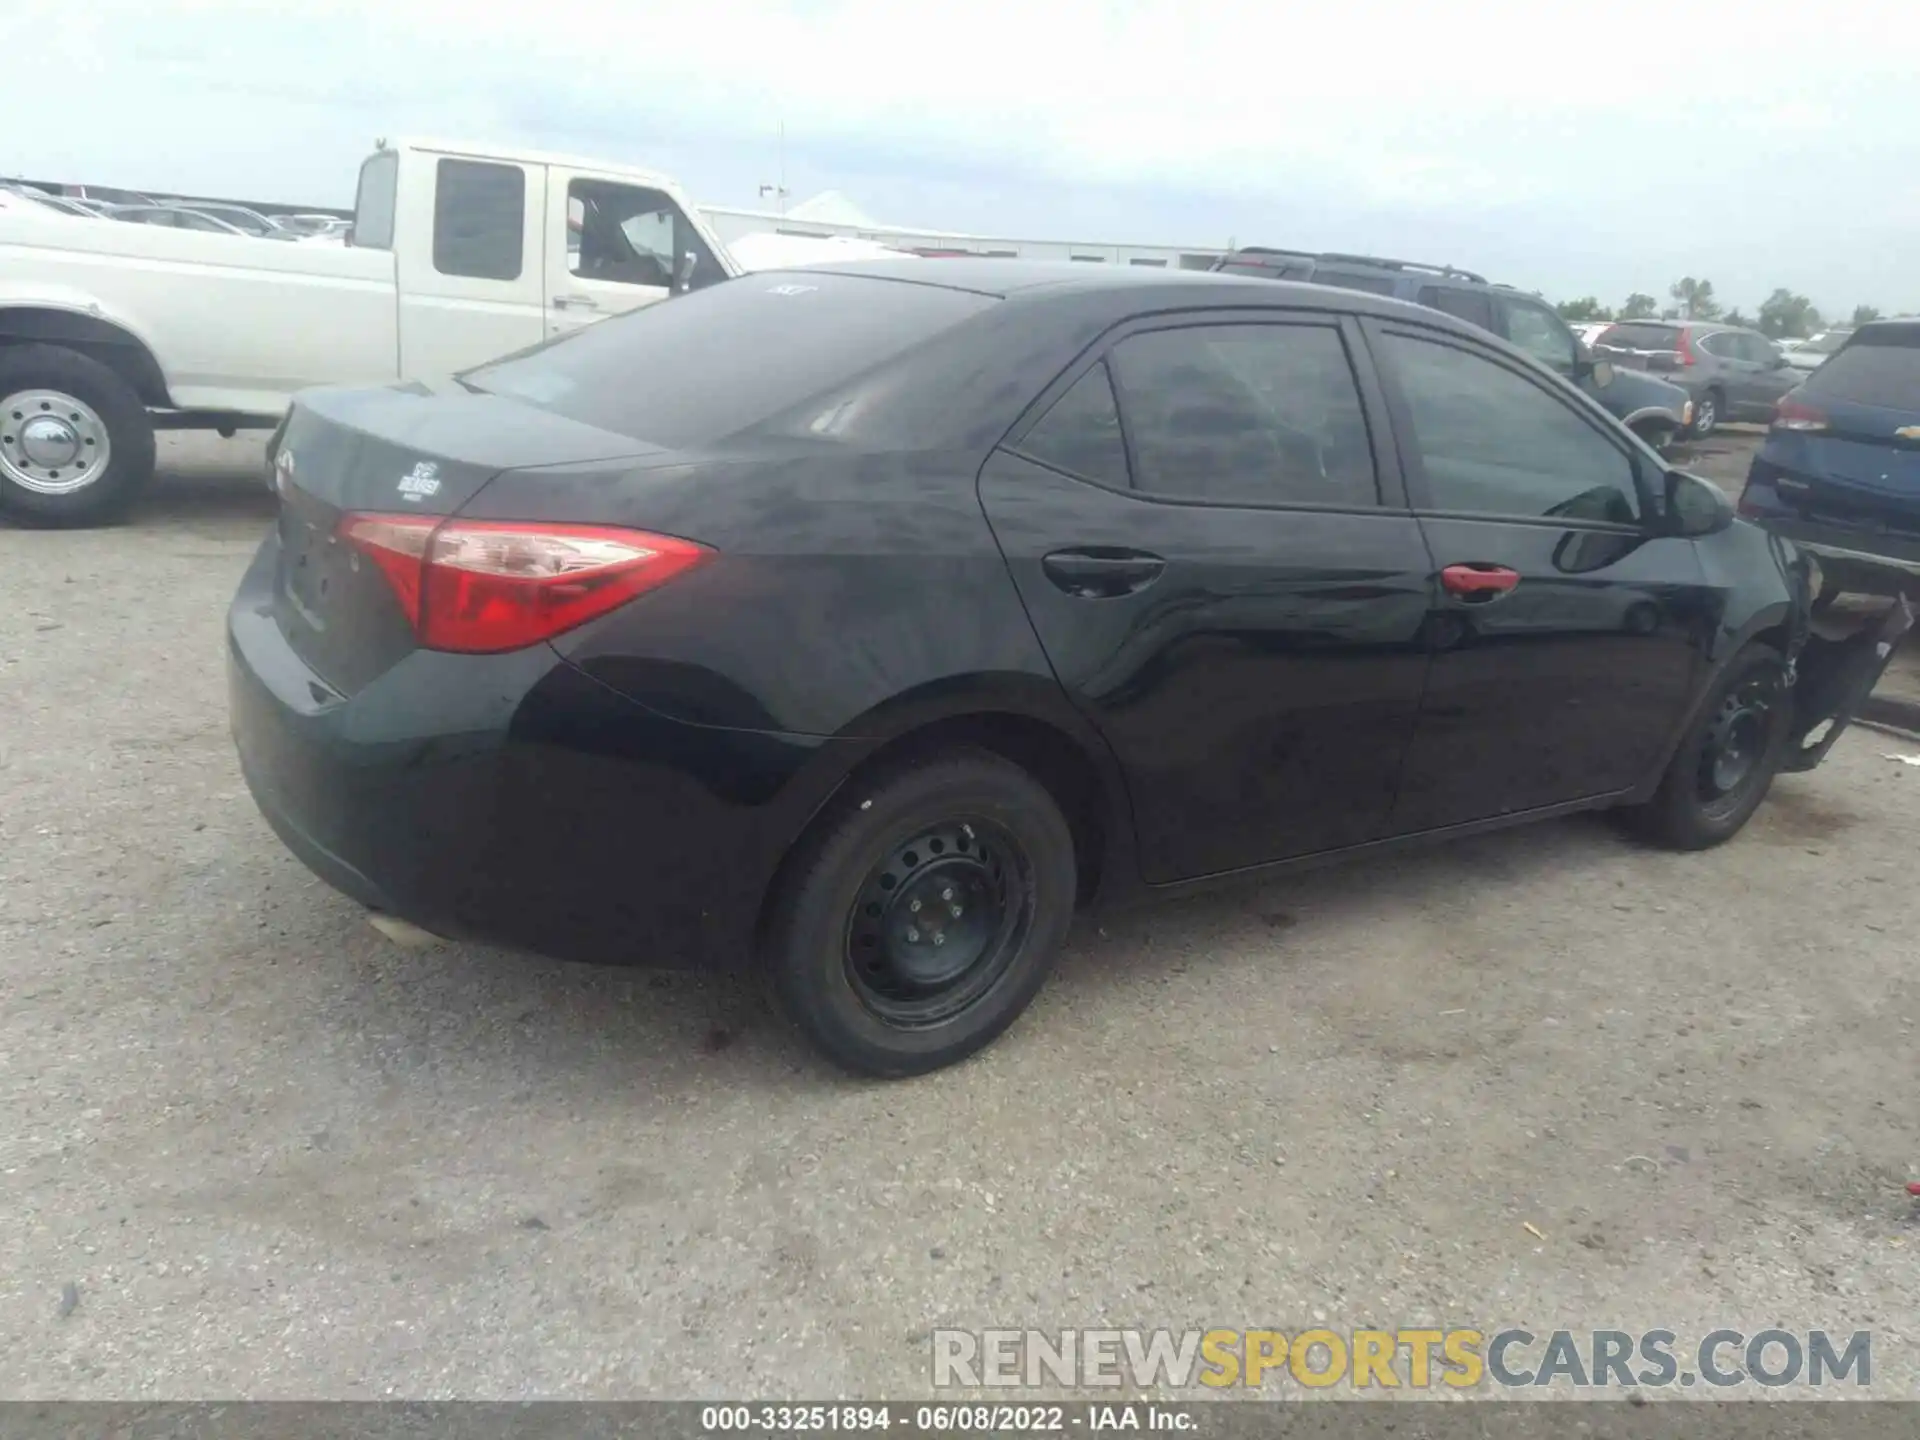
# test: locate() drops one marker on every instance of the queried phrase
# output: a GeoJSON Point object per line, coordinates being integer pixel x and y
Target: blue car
{"type": "Point", "coordinates": [1839, 474]}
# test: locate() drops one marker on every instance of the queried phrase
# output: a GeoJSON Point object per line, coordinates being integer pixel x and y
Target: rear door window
{"type": "Point", "coordinates": [1874, 370]}
{"type": "Point", "coordinates": [1081, 433]}
{"type": "Point", "coordinates": [479, 219]}
{"type": "Point", "coordinates": [1471, 306]}
{"type": "Point", "coordinates": [1246, 414]}
{"type": "Point", "coordinates": [700, 367]}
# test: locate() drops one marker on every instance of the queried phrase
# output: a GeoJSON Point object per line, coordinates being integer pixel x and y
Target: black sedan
{"type": "Point", "coordinates": [861, 623]}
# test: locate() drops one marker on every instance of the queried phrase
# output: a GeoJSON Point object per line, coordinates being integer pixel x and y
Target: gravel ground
{"type": "Point", "coordinates": [253, 1149]}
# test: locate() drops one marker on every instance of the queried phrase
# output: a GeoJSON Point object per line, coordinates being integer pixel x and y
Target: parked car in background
{"type": "Point", "coordinates": [1812, 352]}
{"type": "Point", "coordinates": [252, 222]}
{"type": "Point", "coordinates": [1839, 472]}
{"type": "Point", "coordinates": [107, 195]}
{"type": "Point", "coordinates": [1089, 582]}
{"type": "Point", "coordinates": [309, 226]}
{"type": "Point", "coordinates": [1657, 412]}
{"type": "Point", "coordinates": [1731, 372]}
{"type": "Point", "coordinates": [33, 195]}
{"type": "Point", "coordinates": [175, 217]}
{"type": "Point", "coordinates": [1589, 330]}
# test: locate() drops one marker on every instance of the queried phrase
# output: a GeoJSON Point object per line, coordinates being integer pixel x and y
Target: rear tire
{"type": "Point", "coordinates": [965, 849]}
{"type": "Point", "coordinates": [1726, 764]}
{"type": "Point", "coordinates": [76, 443]}
{"type": "Point", "coordinates": [1708, 411]}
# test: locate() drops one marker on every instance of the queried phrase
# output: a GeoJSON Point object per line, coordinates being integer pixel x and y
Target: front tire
{"type": "Point", "coordinates": [1726, 764]}
{"type": "Point", "coordinates": [923, 913]}
{"type": "Point", "coordinates": [76, 443]}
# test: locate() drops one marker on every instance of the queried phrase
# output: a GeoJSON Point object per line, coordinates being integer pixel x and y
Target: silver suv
{"type": "Point", "coordinates": [1729, 371]}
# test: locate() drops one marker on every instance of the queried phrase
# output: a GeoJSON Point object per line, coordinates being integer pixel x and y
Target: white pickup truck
{"type": "Point", "coordinates": [458, 254]}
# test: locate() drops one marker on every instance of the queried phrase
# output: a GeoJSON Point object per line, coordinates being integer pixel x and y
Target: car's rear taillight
{"type": "Point", "coordinates": [483, 586]}
{"type": "Point", "coordinates": [1683, 355]}
{"type": "Point", "coordinates": [1792, 414]}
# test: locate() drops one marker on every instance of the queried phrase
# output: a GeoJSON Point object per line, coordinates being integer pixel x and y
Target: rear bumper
{"type": "Point", "coordinates": [514, 800]}
{"type": "Point", "coordinates": [1855, 557]}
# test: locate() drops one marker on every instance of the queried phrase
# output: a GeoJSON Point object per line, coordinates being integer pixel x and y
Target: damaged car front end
{"type": "Point", "coordinates": [1834, 660]}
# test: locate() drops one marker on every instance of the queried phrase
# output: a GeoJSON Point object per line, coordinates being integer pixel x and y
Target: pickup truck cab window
{"type": "Point", "coordinates": [373, 206]}
{"type": "Point", "coordinates": [631, 235]}
{"type": "Point", "coordinates": [479, 219]}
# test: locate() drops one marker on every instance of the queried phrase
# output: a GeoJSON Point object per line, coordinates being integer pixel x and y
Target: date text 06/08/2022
{"type": "Point", "coordinates": [942, 1419]}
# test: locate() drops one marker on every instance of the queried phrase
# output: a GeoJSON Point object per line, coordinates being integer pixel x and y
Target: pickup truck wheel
{"type": "Point", "coordinates": [76, 444]}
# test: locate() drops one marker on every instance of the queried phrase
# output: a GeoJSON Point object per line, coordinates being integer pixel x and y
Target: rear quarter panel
{"type": "Point", "coordinates": [847, 596]}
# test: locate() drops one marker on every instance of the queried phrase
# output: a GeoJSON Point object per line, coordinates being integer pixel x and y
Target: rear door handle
{"type": "Point", "coordinates": [1477, 582]}
{"type": "Point", "coordinates": [575, 302]}
{"type": "Point", "coordinates": [1102, 574]}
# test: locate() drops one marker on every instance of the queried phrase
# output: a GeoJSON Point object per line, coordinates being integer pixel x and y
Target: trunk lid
{"type": "Point", "coordinates": [408, 451]}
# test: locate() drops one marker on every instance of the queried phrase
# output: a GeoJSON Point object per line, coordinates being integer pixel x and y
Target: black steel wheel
{"type": "Point", "coordinates": [937, 921]}
{"type": "Point", "coordinates": [1733, 751]}
{"type": "Point", "coordinates": [922, 913]}
{"type": "Point", "coordinates": [1726, 763]}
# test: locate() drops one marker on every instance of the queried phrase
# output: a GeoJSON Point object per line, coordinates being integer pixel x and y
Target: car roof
{"type": "Point", "coordinates": [1029, 279]}
{"type": "Point", "coordinates": [1898, 332]}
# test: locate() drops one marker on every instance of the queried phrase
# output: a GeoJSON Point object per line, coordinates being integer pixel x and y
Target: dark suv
{"type": "Point", "coordinates": [1729, 371]}
{"type": "Point", "coordinates": [1658, 412]}
{"type": "Point", "coordinates": [1839, 472]}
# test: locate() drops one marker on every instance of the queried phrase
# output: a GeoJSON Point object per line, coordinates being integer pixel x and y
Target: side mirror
{"type": "Point", "coordinates": [683, 273]}
{"type": "Point", "coordinates": [1696, 507]}
{"type": "Point", "coordinates": [1587, 366]}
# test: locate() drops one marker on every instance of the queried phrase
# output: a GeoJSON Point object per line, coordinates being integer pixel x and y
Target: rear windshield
{"type": "Point", "coordinates": [1350, 280]}
{"type": "Point", "coordinates": [1267, 270]}
{"type": "Point", "coordinates": [693, 369]}
{"type": "Point", "coordinates": [1881, 370]}
{"type": "Point", "coordinates": [1640, 337]}
{"type": "Point", "coordinates": [1827, 342]}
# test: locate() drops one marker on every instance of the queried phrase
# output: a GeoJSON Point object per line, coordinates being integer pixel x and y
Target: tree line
{"type": "Point", "coordinates": [1783, 314]}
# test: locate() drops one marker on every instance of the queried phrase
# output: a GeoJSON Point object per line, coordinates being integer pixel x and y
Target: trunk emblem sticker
{"type": "Point", "coordinates": [421, 481]}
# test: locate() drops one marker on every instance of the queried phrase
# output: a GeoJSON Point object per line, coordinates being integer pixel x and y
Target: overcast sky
{"type": "Point", "coordinates": [1576, 148]}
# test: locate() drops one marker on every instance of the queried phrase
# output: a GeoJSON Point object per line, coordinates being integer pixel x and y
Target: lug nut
{"type": "Point", "coordinates": [947, 894]}
{"type": "Point", "coordinates": [956, 912]}
{"type": "Point", "coordinates": [913, 905]}
{"type": "Point", "coordinates": [939, 939]}
{"type": "Point", "coordinates": [913, 935]}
